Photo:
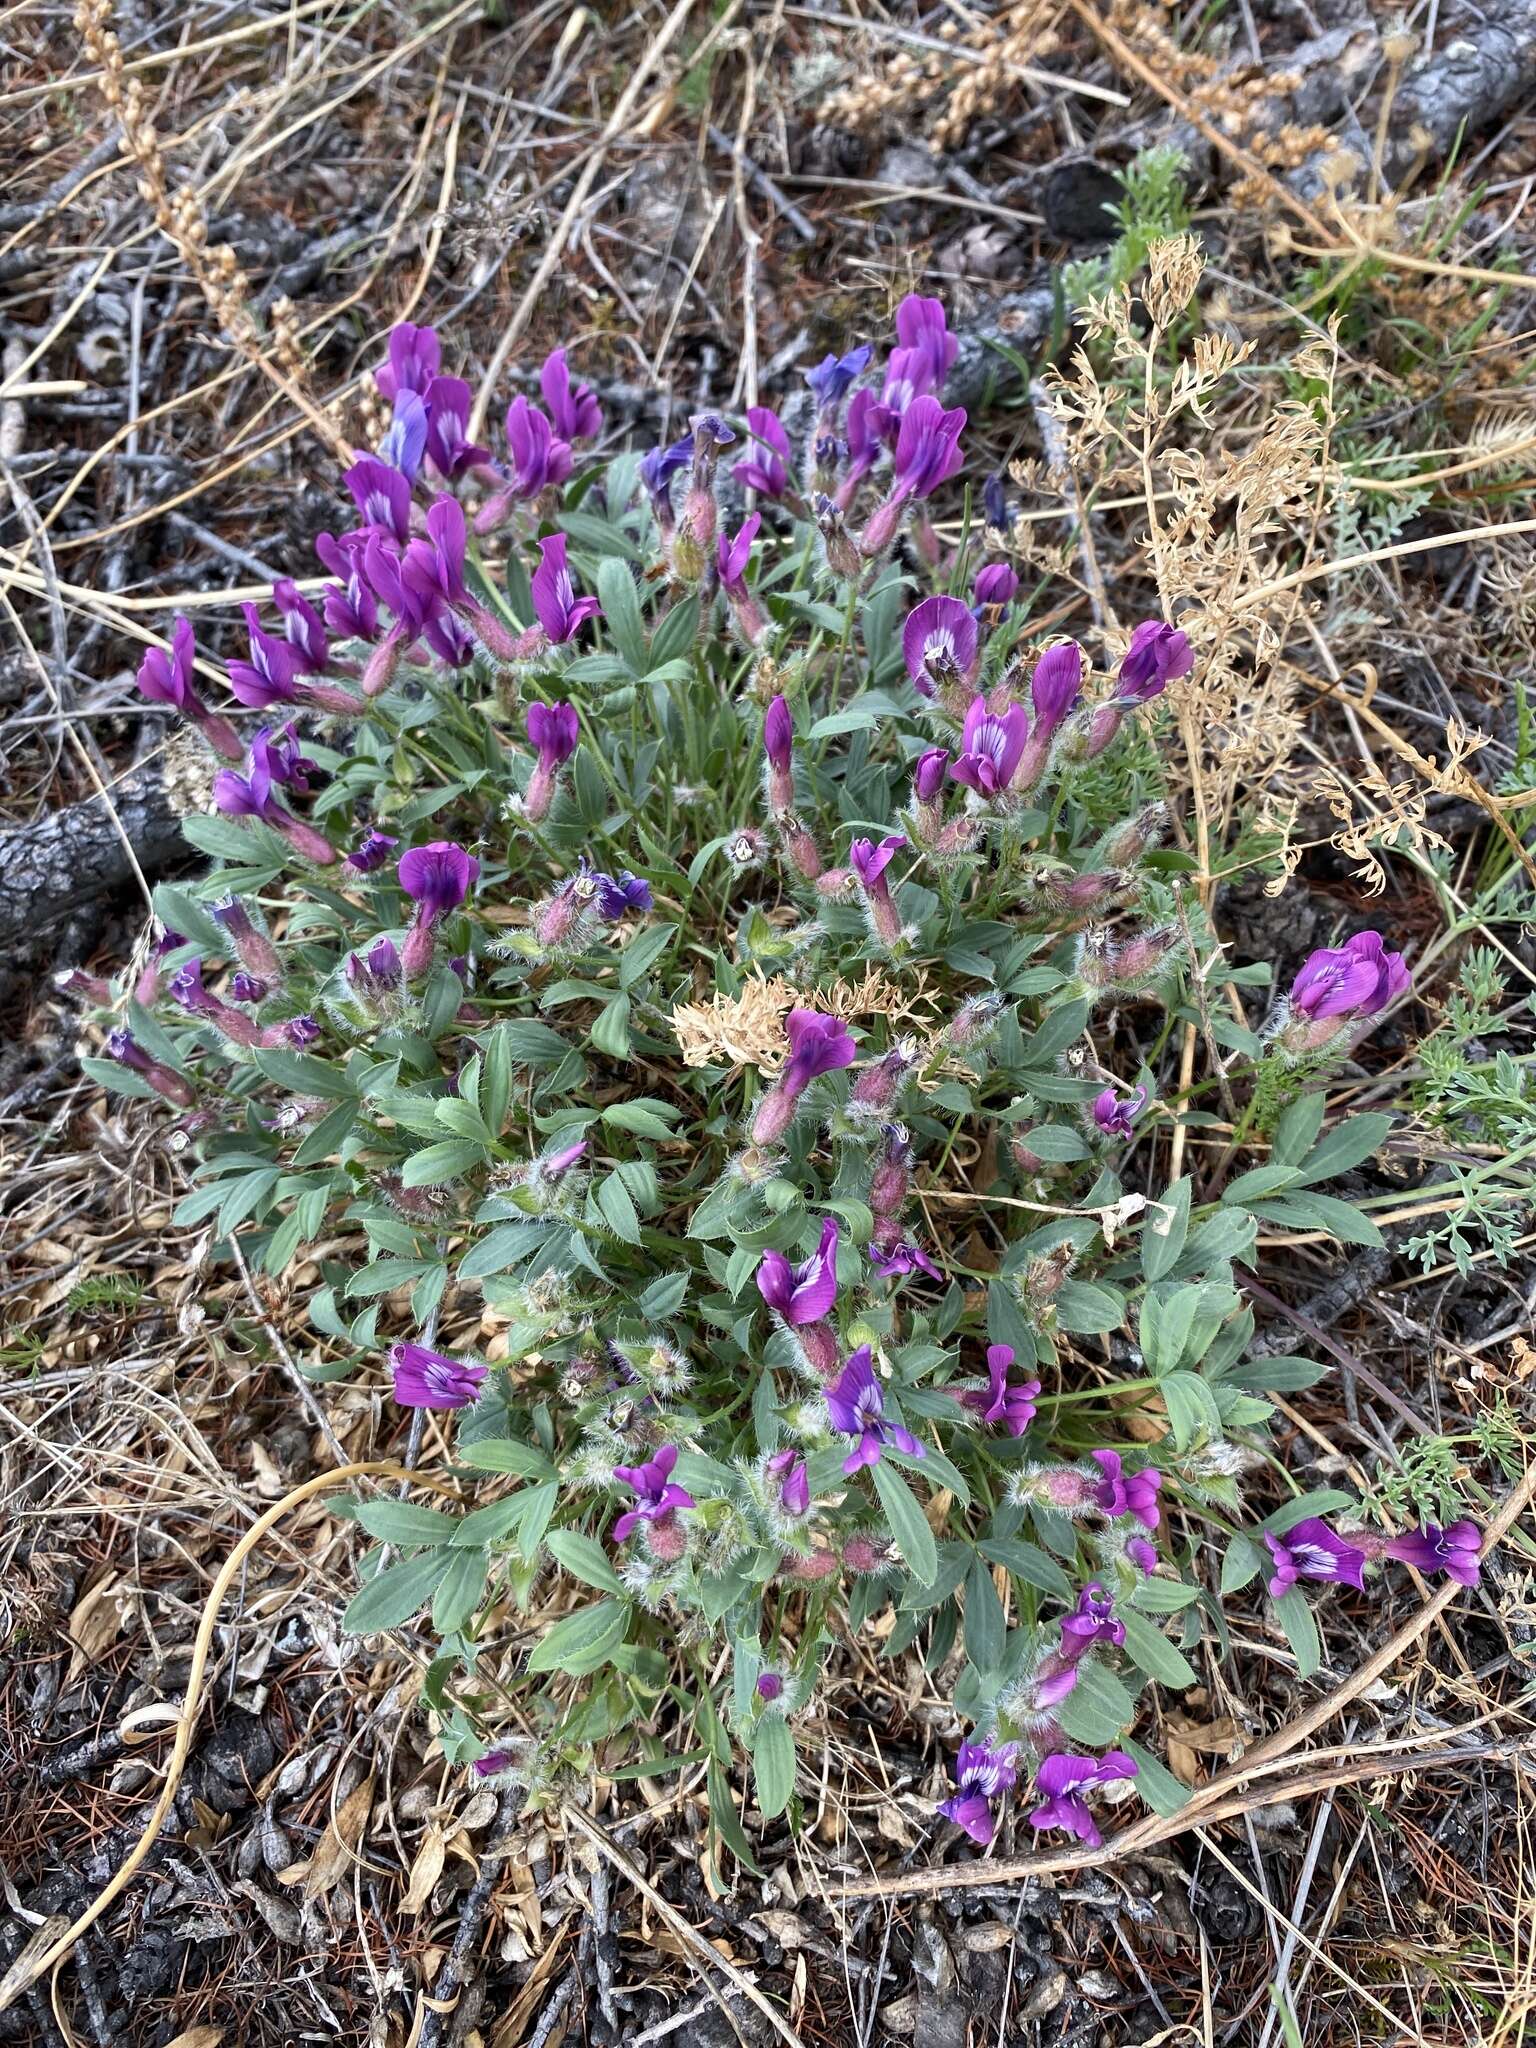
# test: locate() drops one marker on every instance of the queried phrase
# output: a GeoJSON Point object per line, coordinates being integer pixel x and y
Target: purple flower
{"type": "Point", "coordinates": [406, 442]}
{"type": "Point", "coordinates": [1061, 1779]}
{"type": "Point", "coordinates": [657, 469]}
{"type": "Point", "coordinates": [983, 1772]}
{"type": "Point", "coordinates": [553, 1164]}
{"type": "Point", "coordinates": [992, 747]}
{"type": "Point", "coordinates": [856, 1406]}
{"type": "Point", "coordinates": [997, 583]}
{"type": "Point", "coordinates": [895, 1256]}
{"type": "Point", "coordinates": [247, 988]}
{"type": "Point", "coordinates": [869, 862]}
{"type": "Point", "coordinates": [908, 376]}
{"type": "Point", "coordinates": [928, 775]}
{"type": "Point", "coordinates": [554, 729]}
{"type": "Point", "coordinates": [1311, 1550]}
{"type": "Point", "coordinates": [434, 567]}
{"type": "Point", "coordinates": [1454, 1551]}
{"type": "Point", "coordinates": [1056, 684]}
{"type": "Point", "coordinates": [560, 610]}
{"type": "Point", "coordinates": [252, 795]}
{"type": "Point", "coordinates": [927, 448]}
{"type": "Point", "coordinates": [372, 851]}
{"type": "Point", "coordinates": [1118, 1494]}
{"type": "Point", "coordinates": [765, 472]}
{"type": "Point", "coordinates": [376, 974]}
{"type": "Point", "coordinates": [770, 1686]}
{"type": "Point", "coordinates": [438, 877]}
{"type": "Point", "coordinates": [921, 326]}
{"type": "Point", "coordinates": [300, 1032]}
{"type": "Point", "coordinates": [779, 737]}
{"type": "Point", "coordinates": [277, 751]}
{"type": "Point", "coordinates": [817, 1045]}
{"type": "Point", "coordinates": [1091, 1621]}
{"type": "Point", "coordinates": [430, 1379]}
{"type": "Point", "coordinates": [539, 458]}
{"type": "Point", "coordinates": [574, 409]}
{"type": "Point", "coordinates": [803, 1293]}
{"type": "Point", "coordinates": [1157, 656]}
{"type": "Point", "coordinates": [122, 1046]}
{"type": "Point", "coordinates": [414, 356]}
{"type": "Point", "coordinates": [267, 677]}
{"type": "Point", "coordinates": [1358, 979]}
{"type": "Point", "coordinates": [382, 495]}
{"type": "Point", "coordinates": [731, 556]}
{"type": "Point", "coordinates": [617, 895]}
{"type": "Point", "coordinates": [939, 643]}
{"type": "Point", "coordinates": [834, 376]}
{"type": "Point", "coordinates": [1142, 1555]}
{"type": "Point", "coordinates": [788, 1468]}
{"type": "Point", "coordinates": [302, 626]}
{"type": "Point", "coordinates": [994, 502]}
{"type": "Point", "coordinates": [1012, 1407]}
{"type": "Point", "coordinates": [167, 679]}
{"type": "Point", "coordinates": [656, 1496]}
{"type": "Point", "coordinates": [1114, 1115]}
{"type": "Point", "coordinates": [350, 611]}
{"type": "Point", "coordinates": [449, 448]}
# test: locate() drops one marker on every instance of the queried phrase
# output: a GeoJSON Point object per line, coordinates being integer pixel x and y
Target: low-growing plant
{"type": "Point", "coordinates": [731, 986]}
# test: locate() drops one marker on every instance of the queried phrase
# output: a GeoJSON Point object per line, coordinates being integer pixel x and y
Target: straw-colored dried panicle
{"type": "Point", "coordinates": [748, 1029]}
{"type": "Point", "coordinates": [978, 80]}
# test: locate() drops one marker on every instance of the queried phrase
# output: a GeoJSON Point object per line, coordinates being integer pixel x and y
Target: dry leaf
{"type": "Point", "coordinates": [426, 1869]}
{"type": "Point", "coordinates": [334, 1857]}
{"type": "Point", "coordinates": [198, 2037]}
{"type": "Point", "coordinates": [97, 1619]}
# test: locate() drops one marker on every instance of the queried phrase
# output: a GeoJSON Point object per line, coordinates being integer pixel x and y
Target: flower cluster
{"type": "Point", "coordinates": [783, 1329]}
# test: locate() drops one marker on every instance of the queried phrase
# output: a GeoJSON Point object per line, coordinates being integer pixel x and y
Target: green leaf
{"type": "Point", "coordinates": [1058, 1143]}
{"type": "Point", "coordinates": [622, 617]}
{"type": "Point", "coordinates": [327, 1135]}
{"type": "Point", "coordinates": [1150, 1651]}
{"type": "Point", "coordinates": [914, 1538]}
{"type": "Point", "coordinates": [248, 1194]}
{"type": "Point", "coordinates": [1165, 1230]}
{"type": "Point", "coordinates": [1258, 1182]}
{"type": "Point", "coordinates": [402, 1521]}
{"type": "Point", "coordinates": [664, 1297]}
{"type": "Point", "coordinates": [616, 1206]}
{"type": "Point", "coordinates": [460, 1592]}
{"type": "Point", "coordinates": [491, 1523]}
{"type": "Point", "coordinates": [638, 1117]}
{"type": "Point", "coordinates": [727, 1822]}
{"type": "Point", "coordinates": [496, 1080]}
{"type": "Point", "coordinates": [1319, 1212]}
{"type": "Point", "coordinates": [1323, 1500]}
{"type": "Point", "coordinates": [1098, 1706]}
{"type": "Point", "coordinates": [1242, 1563]}
{"type": "Point", "coordinates": [302, 1074]}
{"type": "Point", "coordinates": [533, 1044]}
{"type": "Point", "coordinates": [396, 1594]}
{"type": "Point", "coordinates": [1155, 1783]}
{"type": "Point", "coordinates": [674, 637]}
{"type": "Point", "coordinates": [773, 1765]}
{"type": "Point", "coordinates": [1297, 1130]}
{"type": "Point", "coordinates": [984, 1623]}
{"type": "Point", "coordinates": [584, 1558]}
{"type": "Point", "coordinates": [582, 1641]}
{"type": "Point", "coordinates": [1191, 1406]}
{"type": "Point", "coordinates": [506, 1454]}
{"type": "Point", "coordinates": [641, 950]}
{"type": "Point", "coordinates": [1295, 1617]}
{"type": "Point", "coordinates": [1033, 1566]}
{"type": "Point", "coordinates": [435, 1164]}
{"type": "Point", "coordinates": [1089, 1308]}
{"type": "Point", "coordinates": [1063, 1027]}
{"type": "Point", "coordinates": [1164, 1596]}
{"type": "Point", "coordinates": [1347, 1145]}
{"type": "Point", "coordinates": [610, 1028]}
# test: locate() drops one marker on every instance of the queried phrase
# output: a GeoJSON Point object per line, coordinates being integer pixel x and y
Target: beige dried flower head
{"type": "Point", "coordinates": [1174, 267]}
{"type": "Point", "coordinates": [742, 1030]}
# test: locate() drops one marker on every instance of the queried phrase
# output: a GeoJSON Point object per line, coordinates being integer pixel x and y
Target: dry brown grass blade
{"type": "Point", "coordinates": [1223, 1797]}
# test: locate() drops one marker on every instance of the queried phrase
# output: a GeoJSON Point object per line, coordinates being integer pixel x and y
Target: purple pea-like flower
{"type": "Point", "coordinates": [617, 895]}
{"type": "Point", "coordinates": [1116, 1115]}
{"type": "Point", "coordinates": [252, 795]}
{"type": "Point", "coordinates": [869, 863]}
{"type": "Point", "coordinates": [303, 627]}
{"type": "Point", "coordinates": [984, 1771]}
{"type": "Point", "coordinates": [438, 877]}
{"type": "Point", "coordinates": [1001, 1403]}
{"type": "Point", "coordinates": [996, 584]}
{"type": "Point", "coordinates": [864, 445]}
{"type": "Point", "coordinates": [1091, 1621]}
{"type": "Point", "coordinates": [921, 326]}
{"type": "Point", "coordinates": [561, 1160]}
{"type": "Point", "coordinates": [1454, 1551]}
{"type": "Point", "coordinates": [414, 356]}
{"type": "Point", "coordinates": [124, 1048]}
{"type": "Point", "coordinates": [927, 448]}
{"type": "Point", "coordinates": [540, 459]}
{"type": "Point", "coordinates": [856, 1407]}
{"type": "Point", "coordinates": [382, 495]}
{"type": "Point", "coordinates": [372, 851]}
{"type": "Point", "coordinates": [449, 449]}
{"type": "Point", "coordinates": [554, 730]}
{"type": "Point", "coordinates": [1056, 684]}
{"type": "Point", "coordinates": [817, 1045]}
{"type": "Point", "coordinates": [431, 1379]}
{"type": "Point", "coordinates": [657, 469]}
{"type": "Point", "coordinates": [1120, 1494]}
{"type": "Point", "coordinates": [928, 774]}
{"type": "Point", "coordinates": [940, 644]}
{"type": "Point", "coordinates": [834, 376]}
{"type": "Point", "coordinates": [247, 988]}
{"type": "Point", "coordinates": [1309, 1549]}
{"type": "Point", "coordinates": [803, 1293]}
{"type": "Point", "coordinates": [778, 747]}
{"type": "Point", "coordinates": [349, 607]}
{"type": "Point", "coordinates": [298, 1032]}
{"type": "Point", "coordinates": [991, 748]}
{"type": "Point", "coordinates": [1158, 655]}
{"type": "Point", "coordinates": [267, 677]}
{"type": "Point", "coordinates": [657, 1498]}
{"type": "Point", "coordinates": [573, 408]}
{"type": "Point", "coordinates": [406, 442]}
{"type": "Point", "coordinates": [560, 611]}
{"type": "Point", "coordinates": [1142, 1554]}
{"type": "Point", "coordinates": [1358, 979]}
{"type": "Point", "coordinates": [794, 1486]}
{"type": "Point", "coordinates": [732, 556]}
{"type": "Point", "coordinates": [894, 1256]}
{"type": "Point", "coordinates": [994, 503]}
{"type": "Point", "coordinates": [765, 470]}
{"type": "Point", "coordinates": [166, 678]}
{"type": "Point", "coordinates": [908, 376]}
{"type": "Point", "coordinates": [1061, 1780]}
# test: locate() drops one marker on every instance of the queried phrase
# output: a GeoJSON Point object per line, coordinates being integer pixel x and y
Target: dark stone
{"type": "Point", "coordinates": [1073, 199]}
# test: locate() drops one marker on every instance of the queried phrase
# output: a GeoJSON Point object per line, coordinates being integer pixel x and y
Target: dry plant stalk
{"type": "Point", "coordinates": [748, 1029]}
{"type": "Point", "coordinates": [1000, 50]}
{"type": "Point", "coordinates": [179, 215]}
